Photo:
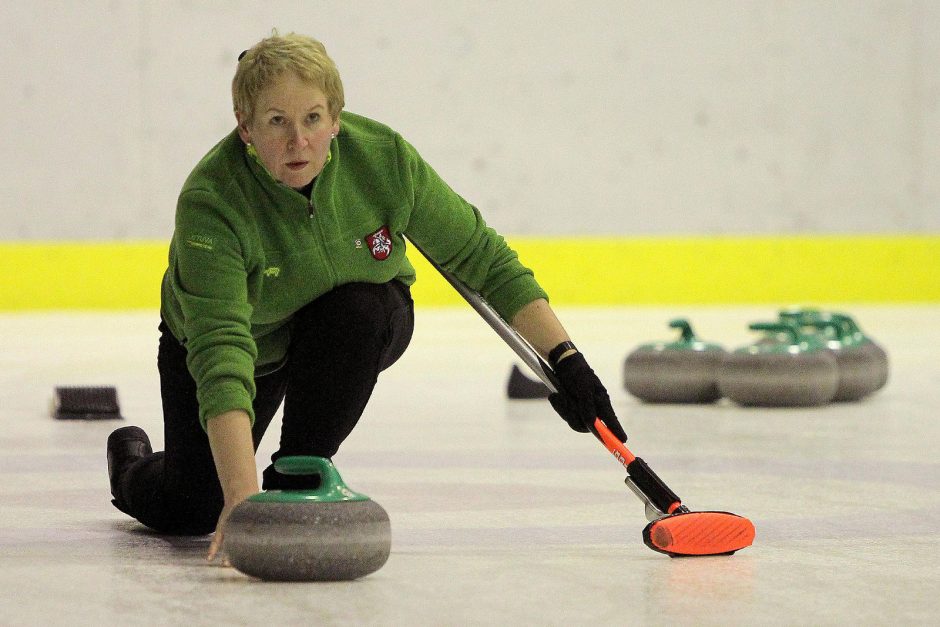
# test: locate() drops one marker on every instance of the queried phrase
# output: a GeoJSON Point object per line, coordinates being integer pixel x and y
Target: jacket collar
{"type": "Point", "coordinates": [256, 164]}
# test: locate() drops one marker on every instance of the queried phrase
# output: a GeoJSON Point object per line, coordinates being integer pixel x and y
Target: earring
{"type": "Point", "coordinates": [333, 136]}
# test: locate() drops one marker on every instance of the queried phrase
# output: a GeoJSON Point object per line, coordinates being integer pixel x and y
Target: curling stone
{"type": "Point", "coordinates": [863, 364]}
{"type": "Point", "coordinates": [877, 355]}
{"type": "Point", "coordinates": [684, 371]}
{"type": "Point", "coordinates": [783, 369]}
{"type": "Point", "coordinates": [325, 534]}
{"type": "Point", "coordinates": [520, 386]}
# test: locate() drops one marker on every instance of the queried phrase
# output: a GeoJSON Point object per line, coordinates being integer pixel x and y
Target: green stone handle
{"type": "Point", "coordinates": [305, 465]}
{"type": "Point", "coordinates": [844, 323]}
{"type": "Point", "coordinates": [848, 323]}
{"type": "Point", "coordinates": [331, 488]}
{"type": "Point", "coordinates": [838, 326]}
{"type": "Point", "coordinates": [778, 327]}
{"type": "Point", "coordinates": [844, 327]}
{"type": "Point", "coordinates": [800, 316]}
{"type": "Point", "coordinates": [681, 323]}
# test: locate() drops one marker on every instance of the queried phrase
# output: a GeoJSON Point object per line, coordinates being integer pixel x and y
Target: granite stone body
{"type": "Point", "coordinates": [317, 541]}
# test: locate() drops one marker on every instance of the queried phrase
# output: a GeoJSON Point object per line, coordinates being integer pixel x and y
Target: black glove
{"type": "Point", "coordinates": [582, 397]}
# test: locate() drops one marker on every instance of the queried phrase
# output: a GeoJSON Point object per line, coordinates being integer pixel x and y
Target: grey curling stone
{"type": "Point", "coordinates": [684, 371]}
{"type": "Point", "coordinates": [783, 369]}
{"type": "Point", "coordinates": [863, 364]}
{"type": "Point", "coordinates": [327, 534]}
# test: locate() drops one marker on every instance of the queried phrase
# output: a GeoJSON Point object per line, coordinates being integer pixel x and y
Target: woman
{"type": "Point", "coordinates": [288, 281]}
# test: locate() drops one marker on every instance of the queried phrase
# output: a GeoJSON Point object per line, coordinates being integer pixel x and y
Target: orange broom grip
{"type": "Point", "coordinates": [670, 503]}
{"type": "Point", "coordinates": [615, 446]}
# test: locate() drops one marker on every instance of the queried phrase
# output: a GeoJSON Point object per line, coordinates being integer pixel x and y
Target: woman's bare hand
{"type": "Point", "coordinates": [230, 440]}
{"type": "Point", "coordinates": [218, 539]}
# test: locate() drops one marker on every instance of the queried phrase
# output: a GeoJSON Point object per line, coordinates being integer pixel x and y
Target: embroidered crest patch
{"type": "Point", "coordinates": [380, 244]}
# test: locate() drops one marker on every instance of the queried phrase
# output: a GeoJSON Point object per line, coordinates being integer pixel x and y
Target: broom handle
{"type": "Point", "coordinates": [509, 335]}
{"type": "Point", "coordinates": [642, 481]}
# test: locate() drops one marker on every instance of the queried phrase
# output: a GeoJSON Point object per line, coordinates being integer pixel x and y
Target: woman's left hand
{"type": "Point", "coordinates": [232, 449]}
{"type": "Point", "coordinates": [219, 538]}
{"type": "Point", "coordinates": [582, 397]}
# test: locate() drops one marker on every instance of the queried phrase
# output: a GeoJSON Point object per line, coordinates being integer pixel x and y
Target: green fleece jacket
{"type": "Point", "coordinates": [248, 252]}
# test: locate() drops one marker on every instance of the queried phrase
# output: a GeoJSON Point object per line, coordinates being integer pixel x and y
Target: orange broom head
{"type": "Point", "coordinates": [699, 533]}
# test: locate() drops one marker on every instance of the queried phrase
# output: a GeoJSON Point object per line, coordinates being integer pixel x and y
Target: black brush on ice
{"type": "Point", "coordinates": [520, 386]}
{"type": "Point", "coordinates": [85, 403]}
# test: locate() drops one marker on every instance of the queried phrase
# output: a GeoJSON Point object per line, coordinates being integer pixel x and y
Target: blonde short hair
{"type": "Point", "coordinates": [268, 59]}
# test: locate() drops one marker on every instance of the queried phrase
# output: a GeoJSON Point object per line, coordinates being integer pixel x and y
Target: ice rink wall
{"type": "Point", "coordinates": [633, 152]}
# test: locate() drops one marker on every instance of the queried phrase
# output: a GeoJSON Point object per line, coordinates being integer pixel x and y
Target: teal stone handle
{"type": "Point", "coordinates": [820, 319]}
{"type": "Point", "coordinates": [308, 465]}
{"type": "Point", "coordinates": [687, 342]}
{"type": "Point", "coordinates": [843, 326]}
{"type": "Point", "coordinates": [848, 323]}
{"type": "Point", "coordinates": [832, 322]}
{"type": "Point", "coordinates": [848, 330]}
{"type": "Point", "coordinates": [688, 336]}
{"type": "Point", "coordinates": [800, 316]}
{"type": "Point", "coordinates": [778, 327]}
{"type": "Point", "coordinates": [331, 488]}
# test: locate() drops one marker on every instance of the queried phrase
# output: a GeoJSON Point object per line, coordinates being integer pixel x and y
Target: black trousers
{"type": "Point", "coordinates": [339, 344]}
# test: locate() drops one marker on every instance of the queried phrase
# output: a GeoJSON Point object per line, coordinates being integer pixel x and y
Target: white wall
{"type": "Point", "coordinates": [607, 117]}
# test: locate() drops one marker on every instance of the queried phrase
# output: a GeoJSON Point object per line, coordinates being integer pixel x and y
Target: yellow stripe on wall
{"type": "Point", "coordinates": [81, 275]}
{"type": "Point", "coordinates": [775, 270]}
{"type": "Point", "coordinates": [583, 271]}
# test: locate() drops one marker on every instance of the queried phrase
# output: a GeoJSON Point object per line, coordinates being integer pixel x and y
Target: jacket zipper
{"type": "Point", "coordinates": [311, 213]}
{"type": "Point", "coordinates": [310, 208]}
